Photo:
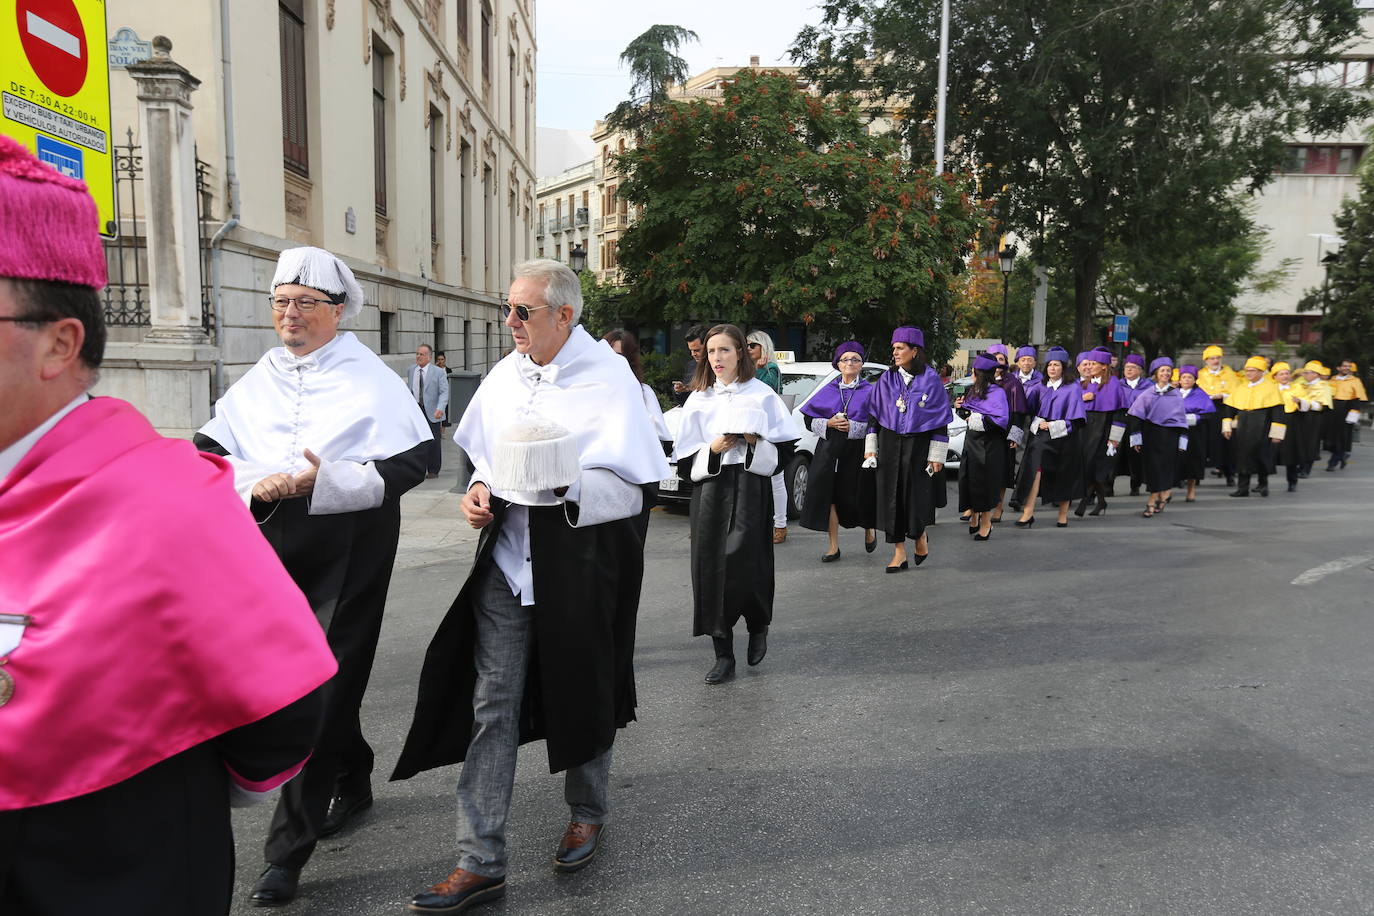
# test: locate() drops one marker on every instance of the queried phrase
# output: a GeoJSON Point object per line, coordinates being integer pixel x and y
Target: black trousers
{"type": "Point", "coordinates": [434, 457]}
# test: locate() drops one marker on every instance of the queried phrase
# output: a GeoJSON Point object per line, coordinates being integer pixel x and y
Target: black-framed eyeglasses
{"type": "Point", "coordinates": [28, 319]}
{"type": "Point", "coordinates": [304, 303]}
{"type": "Point", "coordinates": [521, 311]}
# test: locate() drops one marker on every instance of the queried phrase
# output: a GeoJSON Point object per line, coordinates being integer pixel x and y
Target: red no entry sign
{"type": "Point", "coordinates": [54, 41]}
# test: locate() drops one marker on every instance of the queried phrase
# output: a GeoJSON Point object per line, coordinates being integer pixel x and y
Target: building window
{"type": "Point", "coordinates": [1323, 160]}
{"type": "Point", "coordinates": [467, 342]}
{"type": "Point", "coordinates": [434, 16]}
{"type": "Point", "coordinates": [510, 84]}
{"type": "Point", "coordinates": [464, 197]}
{"type": "Point", "coordinates": [436, 188]}
{"type": "Point", "coordinates": [295, 143]}
{"type": "Point", "coordinates": [488, 194]}
{"type": "Point", "coordinates": [463, 22]}
{"type": "Point", "coordinates": [488, 39]}
{"type": "Point", "coordinates": [529, 114]}
{"type": "Point", "coordinates": [388, 322]}
{"type": "Point", "coordinates": [379, 138]}
{"type": "Point", "coordinates": [439, 341]}
{"type": "Point", "coordinates": [608, 258]}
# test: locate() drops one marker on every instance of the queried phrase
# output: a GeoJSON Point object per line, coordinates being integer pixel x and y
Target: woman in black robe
{"type": "Point", "coordinates": [1200, 415]}
{"type": "Point", "coordinates": [839, 490]}
{"type": "Point", "coordinates": [981, 469]}
{"type": "Point", "coordinates": [1104, 403]}
{"type": "Point", "coordinates": [735, 432]}
{"type": "Point", "coordinates": [1052, 467]}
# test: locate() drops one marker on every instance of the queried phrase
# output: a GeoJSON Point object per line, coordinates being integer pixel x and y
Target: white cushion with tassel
{"type": "Point", "coordinates": [534, 455]}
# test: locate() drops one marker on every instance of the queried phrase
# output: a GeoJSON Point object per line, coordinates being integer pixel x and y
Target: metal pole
{"type": "Point", "coordinates": [940, 95]}
{"type": "Point", "coordinates": [1006, 284]}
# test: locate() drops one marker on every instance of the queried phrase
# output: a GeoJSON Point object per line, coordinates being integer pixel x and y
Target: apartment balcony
{"type": "Point", "coordinates": [539, 228]}
{"type": "Point", "coordinates": [612, 221]}
{"type": "Point", "coordinates": [581, 217]}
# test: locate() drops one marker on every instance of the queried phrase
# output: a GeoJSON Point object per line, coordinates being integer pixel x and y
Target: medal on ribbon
{"type": "Point", "coordinates": [11, 632]}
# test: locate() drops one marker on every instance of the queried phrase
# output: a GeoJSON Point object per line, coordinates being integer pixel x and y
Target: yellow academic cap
{"type": "Point", "coordinates": [1257, 362]}
{"type": "Point", "coordinates": [1211, 351]}
{"type": "Point", "coordinates": [1314, 366]}
{"type": "Point", "coordinates": [1280, 365]}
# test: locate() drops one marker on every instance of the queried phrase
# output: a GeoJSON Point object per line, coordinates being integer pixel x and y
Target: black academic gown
{"type": "Point", "coordinates": [579, 687]}
{"type": "Point", "coordinates": [1251, 449]}
{"type": "Point", "coordinates": [1192, 461]}
{"type": "Point", "coordinates": [156, 844]}
{"type": "Point", "coordinates": [907, 496]}
{"type": "Point", "coordinates": [1159, 454]}
{"type": "Point", "coordinates": [1098, 466]}
{"type": "Point", "coordinates": [732, 547]}
{"type": "Point", "coordinates": [1060, 463]}
{"type": "Point", "coordinates": [342, 562]}
{"type": "Point", "coordinates": [982, 467]}
{"type": "Point", "coordinates": [836, 478]}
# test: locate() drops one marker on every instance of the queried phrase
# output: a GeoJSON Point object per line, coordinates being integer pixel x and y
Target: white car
{"type": "Point", "coordinates": [800, 382]}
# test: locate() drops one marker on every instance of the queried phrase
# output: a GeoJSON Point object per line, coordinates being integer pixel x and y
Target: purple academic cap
{"type": "Point", "coordinates": [1161, 361]}
{"type": "Point", "coordinates": [1188, 370]}
{"type": "Point", "coordinates": [1060, 354]}
{"type": "Point", "coordinates": [1100, 355]}
{"type": "Point", "coordinates": [849, 346]}
{"type": "Point", "coordinates": [910, 336]}
{"type": "Point", "coordinates": [998, 348]}
{"type": "Point", "coordinates": [1137, 359]}
{"type": "Point", "coordinates": [1085, 355]}
{"type": "Point", "coordinates": [984, 361]}
{"type": "Point", "coordinates": [1027, 351]}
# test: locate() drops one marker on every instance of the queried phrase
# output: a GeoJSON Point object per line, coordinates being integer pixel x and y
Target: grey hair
{"type": "Point", "coordinates": [427, 346]}
{"type": "Point", "coordinates": [765, 344]}
{"type": "Point", "coordinates": [561, 285]}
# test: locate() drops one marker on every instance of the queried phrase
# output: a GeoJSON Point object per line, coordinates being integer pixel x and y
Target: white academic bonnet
{"type": "Point", "coordinates": [318, 269]}
{"type": "Point", "coordinates": [534, 454]}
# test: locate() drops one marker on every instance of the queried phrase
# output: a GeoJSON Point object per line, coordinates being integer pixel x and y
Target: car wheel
{"type": "Point", "coordinates": [796, 477]}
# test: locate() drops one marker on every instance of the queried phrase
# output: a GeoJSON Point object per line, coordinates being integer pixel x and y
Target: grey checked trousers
{"type": "Point", "coordinates": [502, 656]}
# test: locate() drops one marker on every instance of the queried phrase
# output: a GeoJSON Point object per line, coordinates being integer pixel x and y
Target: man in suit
{"type": "Point", "coordinates": [429, 385]}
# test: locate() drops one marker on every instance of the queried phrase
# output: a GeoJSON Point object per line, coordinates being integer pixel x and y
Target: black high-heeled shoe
{"type": "Point", "coordinates": [977, 537]}
{"type": "Point", "coordinates": [1061, 524]}
{"type": "Point", "coordinates": [870, 546]}
{"type": "Point", "coordinates": [1082, 506]}
{"type": "Point", "coordinates": [1026, 524]}
{"type": "Point", "coordinates": [1101, 506]}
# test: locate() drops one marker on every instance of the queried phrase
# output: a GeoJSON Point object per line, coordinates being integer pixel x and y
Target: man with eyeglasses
{"type": "Point", "coordinates": [156, 662]}
{"type": "Point", "coordinates": [324, 438]}
{"type": "Point", "coordinates": [540, 641]}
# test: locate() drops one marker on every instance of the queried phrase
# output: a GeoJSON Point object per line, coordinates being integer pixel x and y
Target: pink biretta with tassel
{"type": "Point", "coordinates": [49, 228]}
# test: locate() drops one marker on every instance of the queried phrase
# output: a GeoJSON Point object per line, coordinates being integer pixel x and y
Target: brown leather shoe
{"type": "Point", "coordinates": [779, 535]}
{"type": "Point", "coordinates": [460, 890]}
{"type": "Point", "coordinates": [579, 845]}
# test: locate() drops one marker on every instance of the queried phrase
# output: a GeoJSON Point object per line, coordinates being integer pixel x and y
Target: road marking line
{"type": "Point", "coordinates": [59, 38]}
{"type": "Point", "coordinates": [1326, 569]}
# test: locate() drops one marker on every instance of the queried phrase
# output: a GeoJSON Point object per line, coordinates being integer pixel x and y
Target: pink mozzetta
{"type": "Point", "coordinates": [161, 618]}
{"type": "Point", "coordinates": [49, 228]}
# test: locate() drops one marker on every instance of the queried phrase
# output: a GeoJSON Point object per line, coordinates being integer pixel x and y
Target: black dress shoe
{"type": "Point", "coordinates": [1263, 491]}
{"type": "Point", "coordinates": [460, 890]}
{"type": "Point", "coordinates": [830, 557]}
{"type": "Point", "coordinates": [276, 886]}
{"type": "Point", "coordinates": [758, 647]}
{"type": "Point", "coordinates": [1026, 524]}
{"type": "Point", "coordinates": [1241, 492]}
{"type": "Point", "coordinates": [579, 845]}
{"type": "Point", "coordinates": [918, 558]}
{"type": "Point", "coordinates": [895, 569]}
{"type": "Point", "coordinates": [870, 546]}
{"type": "Point", "coordinates": [1292, 488]}
{"type": "Point", "coordinates": [976, 537]}
{"type": "Point", "coordinates": [1061, 524]}
{"type": "Point", "coordinates": [342, 809]}
{"type": "Point", "coordinates": [721, 671]}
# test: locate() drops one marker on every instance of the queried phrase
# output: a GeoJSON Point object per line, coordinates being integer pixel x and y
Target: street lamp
{"type": "Point", "coordinates": [577, 259]}
{"type": "Point", "coordinates": [1006, 257]}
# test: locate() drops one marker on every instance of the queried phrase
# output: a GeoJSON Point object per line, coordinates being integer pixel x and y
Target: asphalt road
{"type": "Point", "coordinates": [1131, 715]}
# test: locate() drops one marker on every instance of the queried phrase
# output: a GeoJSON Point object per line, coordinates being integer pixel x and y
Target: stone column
{"type": "Point", "coordinates": [169, 187]}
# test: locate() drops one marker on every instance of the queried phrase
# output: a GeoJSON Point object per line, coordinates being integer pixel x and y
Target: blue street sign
{"type": "Point", "coordinates": [61, 156]}
{"type": "Point", "coordinates": [1121, 328]}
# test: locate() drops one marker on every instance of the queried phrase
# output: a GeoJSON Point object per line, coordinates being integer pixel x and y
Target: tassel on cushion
{"type": "Point", "coordinates": [534, 455]}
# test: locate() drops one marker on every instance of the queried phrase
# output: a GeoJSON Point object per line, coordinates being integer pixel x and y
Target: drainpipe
{"type": "Point", "coordinates": [232, 193]}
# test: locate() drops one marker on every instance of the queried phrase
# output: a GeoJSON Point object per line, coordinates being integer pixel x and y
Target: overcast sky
{"type": "Point", "coordinates": [580, 42]}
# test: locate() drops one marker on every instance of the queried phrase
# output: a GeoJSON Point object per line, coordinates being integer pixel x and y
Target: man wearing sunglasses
{"type": "Point", "coordinates": [324, 438]}
{"type": "Point", "coordinates": [553, 594]}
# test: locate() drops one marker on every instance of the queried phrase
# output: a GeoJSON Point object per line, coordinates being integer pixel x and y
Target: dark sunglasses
{"type": "Point", "coordinates": [521, 311]}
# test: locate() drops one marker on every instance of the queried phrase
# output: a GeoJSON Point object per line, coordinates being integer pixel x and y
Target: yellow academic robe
{"type": "Point", "coordinates": [1318, 392]}
{"type": "Point", "coordinates": [1347, 389]}
{"type": "Point", "coordinates": [1254, 414]}
{"type": "Point", "coordinates": [1220, 383]}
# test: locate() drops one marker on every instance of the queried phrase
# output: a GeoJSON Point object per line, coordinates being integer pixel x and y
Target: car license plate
{"type": "Point", "coordinates": [669, 483]}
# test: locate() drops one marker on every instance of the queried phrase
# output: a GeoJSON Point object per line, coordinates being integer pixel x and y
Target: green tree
{"type": "Point", "coordinates": [773, 205]}
{"type": "Point", "coordinates": [1101, 121]}
{"type": "Point", "coordinates": [1182, 288]}
{"type": "Point", "coordinates": [654, 64]}
{"type": "Point", "coordinates": [1347, 300]}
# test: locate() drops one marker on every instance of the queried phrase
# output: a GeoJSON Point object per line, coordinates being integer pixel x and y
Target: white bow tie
{"type": "Point", "coordinates": [535, 373]}
{"type": "Point", "coordinates": [292, 362]}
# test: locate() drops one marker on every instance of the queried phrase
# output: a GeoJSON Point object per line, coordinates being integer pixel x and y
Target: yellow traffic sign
{"type": "Point", "coordinates": [55, 85]}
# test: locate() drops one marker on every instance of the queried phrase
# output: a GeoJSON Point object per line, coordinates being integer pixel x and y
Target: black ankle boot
{"type": "Point", "coordinates": [1242, 487]}
{"type": "Point", "coordinates": [724, 668]}
{"type": "Point", "coordinates": [758, 646]}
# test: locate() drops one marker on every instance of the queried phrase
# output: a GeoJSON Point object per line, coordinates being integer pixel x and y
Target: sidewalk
{"type": "Point", "coordinates": [432, 526]}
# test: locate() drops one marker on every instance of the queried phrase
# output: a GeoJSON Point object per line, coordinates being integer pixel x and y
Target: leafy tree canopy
{"type": "Point", "coordinates": [772, 205]}
{"type": "Point", "coordinates": [1097, 122]}
{"type": "Point", "coordinates": [656, 67]}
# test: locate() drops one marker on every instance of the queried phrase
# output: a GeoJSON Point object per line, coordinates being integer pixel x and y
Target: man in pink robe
{"type": "Point", "coordinates": [156, 661]}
